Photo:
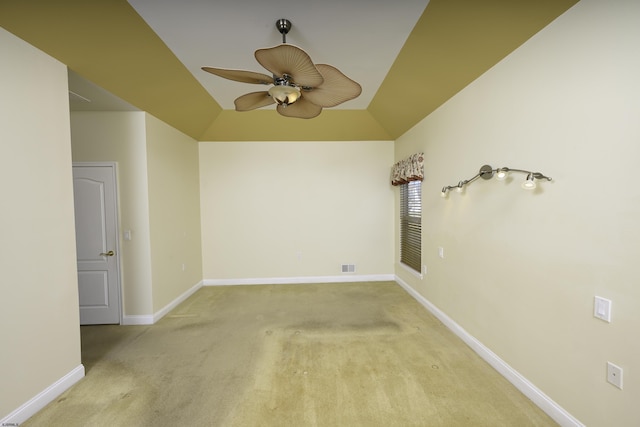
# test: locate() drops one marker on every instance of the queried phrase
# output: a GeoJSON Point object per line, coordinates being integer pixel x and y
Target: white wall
{"type": "Point", "coordinates": [174, 208]}
{"type": "Point", "coordinates": [121, 137]}
{"type": "Point", "coordinates": [296, 210]}
{"type": "Point", "coordinates": [521, 269]}
{"type": "Point", "coordinates": [40, 331]}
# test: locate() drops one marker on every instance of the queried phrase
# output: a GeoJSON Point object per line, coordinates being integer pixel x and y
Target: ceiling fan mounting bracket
{"type": "Point", "coordinates": [283, 25]}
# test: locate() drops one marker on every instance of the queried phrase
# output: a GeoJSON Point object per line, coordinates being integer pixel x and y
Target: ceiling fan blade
{"type": "Point", "coordinates": [301, 109]}
{"type": "Point", "coordinates": [253, 100]}
{"type": "Point", "coordinates": [241, 75]}
{"type": "Point", "coordinates": [290, 60]}
{"type": "Point", "coordinates": [336, 89]}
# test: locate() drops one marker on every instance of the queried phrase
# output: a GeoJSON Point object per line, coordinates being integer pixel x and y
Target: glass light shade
{"type": "Point", "coordinates": [443, 194]}
{"type": "Point", "coordinates": [284, 95]}
{"type": "Point", "coordinates": [529, 183]}
{"type": "Point", "coordinates": [460, 187]}
{"type": "Point", "coordinates": [501, 174]}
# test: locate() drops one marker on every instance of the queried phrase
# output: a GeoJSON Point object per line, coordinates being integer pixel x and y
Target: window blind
{"type": "Point", "coordinates": [411, 224]}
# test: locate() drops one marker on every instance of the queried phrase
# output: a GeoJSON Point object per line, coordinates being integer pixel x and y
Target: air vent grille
{"type": "Point", "coordinates": [348, 268]}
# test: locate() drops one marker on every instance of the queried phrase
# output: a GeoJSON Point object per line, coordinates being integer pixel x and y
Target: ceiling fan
{"type": "Point", "coordinates": [300, 88]}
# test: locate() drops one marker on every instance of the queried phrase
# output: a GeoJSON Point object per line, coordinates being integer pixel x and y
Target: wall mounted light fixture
{"type": "Point", "coordinates": [487, 172]}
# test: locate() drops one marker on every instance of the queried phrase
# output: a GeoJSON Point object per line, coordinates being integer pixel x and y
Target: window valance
{"type": "Point", "coordinates": [409, 169]}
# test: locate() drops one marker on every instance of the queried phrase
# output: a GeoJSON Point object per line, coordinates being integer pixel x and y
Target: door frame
{"type": "Point", "coordinates": [114, 169]}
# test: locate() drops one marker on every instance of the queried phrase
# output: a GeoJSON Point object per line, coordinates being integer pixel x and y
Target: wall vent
{"type": "Point", "coordinates": [348, 268]}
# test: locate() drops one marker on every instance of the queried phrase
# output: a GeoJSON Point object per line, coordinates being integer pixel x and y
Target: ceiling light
{"type": "Point", "coordinates": [487, 172]}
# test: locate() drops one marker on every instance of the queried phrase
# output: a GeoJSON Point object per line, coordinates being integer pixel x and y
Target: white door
{"type": "Point", "coordinates": [94, 190]}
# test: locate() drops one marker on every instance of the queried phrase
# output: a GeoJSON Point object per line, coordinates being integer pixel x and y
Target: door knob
{"type": "Point", "coordinates": [110, 253]}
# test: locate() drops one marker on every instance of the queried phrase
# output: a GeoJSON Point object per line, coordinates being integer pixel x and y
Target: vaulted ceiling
{"type": "Point", "coordinates": [410, 56]}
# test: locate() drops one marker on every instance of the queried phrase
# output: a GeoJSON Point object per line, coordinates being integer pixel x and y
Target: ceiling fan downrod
{"type": "Point", "coordinates": [283, 26]}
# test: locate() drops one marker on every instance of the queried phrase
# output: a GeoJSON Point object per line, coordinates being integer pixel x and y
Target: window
{"type": "Point", "coordinates": [411, 224]}
{"type": "Point", "coordinates": [408, 175]}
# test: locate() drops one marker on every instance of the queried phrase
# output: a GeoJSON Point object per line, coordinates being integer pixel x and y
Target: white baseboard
{"type": "Point", "coordinates": [150, 319]}
{"type": "Point", "coordinates": [42, 399]}
{"type": "Point", "coordinates": [296, 280]}
{"type": "Point", "coordinates": [137, 319]}
{"type": "Point", "coordinates": [544, 402]}
{"type": "Point", "coordinates": [173, 304]}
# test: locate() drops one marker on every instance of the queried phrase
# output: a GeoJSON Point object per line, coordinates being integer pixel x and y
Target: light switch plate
{"type": "Point", "coordinates": [602, 308]}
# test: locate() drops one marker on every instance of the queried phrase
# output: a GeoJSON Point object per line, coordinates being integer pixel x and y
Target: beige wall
{"type": "Point", "coordinates": [174, 207]}
{"type": "Point", "coordinates": [40, 331]}
{"type": "Point", "coordinates": [159, 202]}
{"type": "Point", "coordinates": [121, 137]}
{"type": "Point", "coordinates": [283, 210]}
{"type": "Point", "coordinates": [521, 269]}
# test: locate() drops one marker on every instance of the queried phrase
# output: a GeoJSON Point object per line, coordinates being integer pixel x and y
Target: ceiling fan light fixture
{"type": "Point", "coordinates": [284, 94]}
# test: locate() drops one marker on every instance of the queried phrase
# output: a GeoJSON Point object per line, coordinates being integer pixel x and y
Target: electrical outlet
{"type": "Point", "coordinates": [614, 375]}
{"type": "Point", "coordinates": [441, 252]}
{"type": "Point", "coordinates": [424, 269]}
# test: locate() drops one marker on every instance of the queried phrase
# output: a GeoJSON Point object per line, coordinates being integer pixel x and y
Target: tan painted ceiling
{"type": "Point", "coordinates": [410, 57]}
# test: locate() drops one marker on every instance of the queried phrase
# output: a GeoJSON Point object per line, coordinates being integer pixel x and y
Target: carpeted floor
{"type": "Point", "coordinates": [347, 354]}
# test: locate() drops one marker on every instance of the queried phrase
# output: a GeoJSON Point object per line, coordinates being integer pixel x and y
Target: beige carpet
{"type": "Point", "coordinates": [347, 354]}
